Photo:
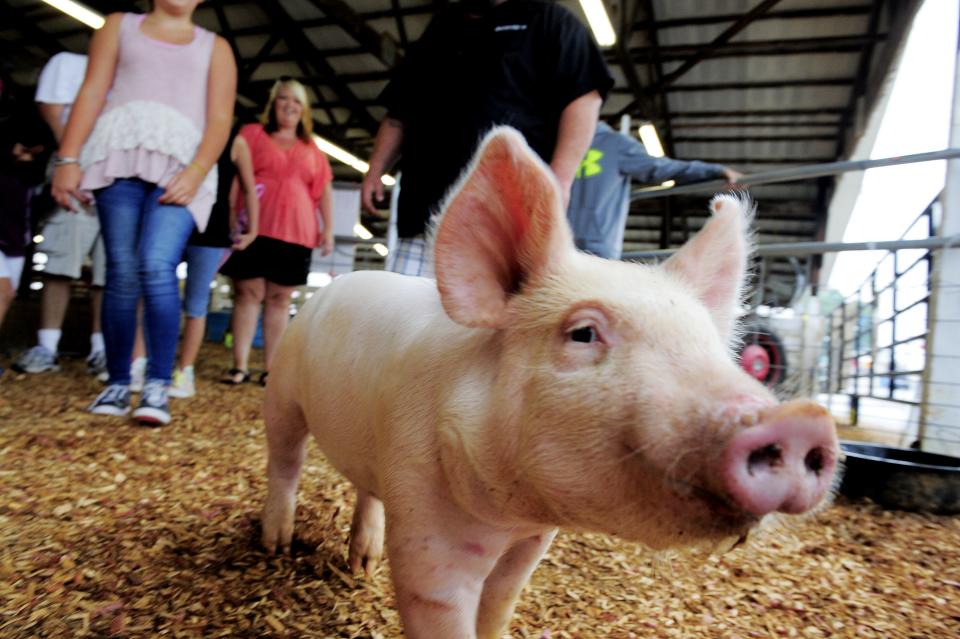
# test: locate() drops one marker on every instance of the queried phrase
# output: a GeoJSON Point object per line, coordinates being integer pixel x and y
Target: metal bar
{"type": "Point", "coordinates": [893, 325]}
{"type": "Point", "coordinates": [923, 418]}
{"type": "Point", "coordinates": [786, 137]}
{"type": "Point", "coordinates": [874, 349]}
{"type": "Point", "coordinates": [799, 173]}
{"type": "Point", "coordinates": [760, 113]}
{"type": "Point", "coordinates": [768, 84]}
{"type": "Point", "coordinates": [704, 51]}
{"type": "Point", "coordinates": [810, 248]}
{"type": "Point", "coordinates": [817, 12]}
{"type": "Point", "coordinates": [844, 45]}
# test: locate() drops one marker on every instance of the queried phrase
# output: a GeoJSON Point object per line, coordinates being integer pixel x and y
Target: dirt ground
{"type": "Point", "coordinates": [111, 530]}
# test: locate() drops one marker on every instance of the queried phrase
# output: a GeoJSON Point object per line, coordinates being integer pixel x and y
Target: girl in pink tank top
{"type": "Point", "coordinates": [148, 152]}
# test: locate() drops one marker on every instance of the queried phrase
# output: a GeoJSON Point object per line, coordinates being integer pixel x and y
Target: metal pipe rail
{"type": "Point", "coordinates": [812, 248]}
{"type": "Point", "coordinates": [794, 174]}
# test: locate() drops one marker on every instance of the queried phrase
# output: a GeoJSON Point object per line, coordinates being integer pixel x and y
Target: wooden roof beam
{"type": "Point", "coordinates": [707, 50]}
{"type": "Point", "coordinates": [825, 12]}
{"type": "Point", "coordinates": [746, 86]}
{"type": "Point", "coordinates": [793, 46]}
{"type": "Point", "coordinates": [380, 45]}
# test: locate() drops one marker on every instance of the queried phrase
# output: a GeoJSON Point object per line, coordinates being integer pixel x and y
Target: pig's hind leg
{"type": "Point", "coordinates": [366, 534]}
{"type": "Point", "coordinates": [502, 587]}
{"type": "Point", "coordinates": [286, 444]}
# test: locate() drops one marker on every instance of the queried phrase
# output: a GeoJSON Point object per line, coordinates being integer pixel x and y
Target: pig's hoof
{"type": "Point", "coordinates": [365, 555]}
{"type": "Point", "coordinates": [277, 531]}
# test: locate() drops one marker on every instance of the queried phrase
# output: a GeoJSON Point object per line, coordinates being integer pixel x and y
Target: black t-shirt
{"type": "Point", "coordinates": [217, 233]}
{"type": "Point", "coordinates": [520, 64]}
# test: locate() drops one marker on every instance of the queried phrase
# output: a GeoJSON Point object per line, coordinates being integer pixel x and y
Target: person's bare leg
{"type": "Point", "coordinates": [7, 294]}
{"type": "Point", "coordinates": [96, 309]}
{"type": "Point", "coordinates": [276, 316]}
{"type": "Point", "coordinates": [193, 329]}
{"type": "Point", "coordinates": [53, 302]}
{"type": "Point", "coordinates": [247, 297]}
{"type": "Point", "coordinates": [139, 343]}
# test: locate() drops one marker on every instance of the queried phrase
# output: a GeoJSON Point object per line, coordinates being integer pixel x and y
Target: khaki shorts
{"type": "Point", "coordinates": [69, 239]}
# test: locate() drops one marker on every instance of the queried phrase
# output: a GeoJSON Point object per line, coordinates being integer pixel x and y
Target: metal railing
{"type": "Point", "coordinates": [864, 356]}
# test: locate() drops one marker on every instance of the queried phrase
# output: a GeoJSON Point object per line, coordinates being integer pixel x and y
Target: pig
{"type": "Point", "coordinates": [532, 387]}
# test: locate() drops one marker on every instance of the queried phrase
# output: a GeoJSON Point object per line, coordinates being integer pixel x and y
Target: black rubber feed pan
{"type": "Point", "coordinates": [902, 478]}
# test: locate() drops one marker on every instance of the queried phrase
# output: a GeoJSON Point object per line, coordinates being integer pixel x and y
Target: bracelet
{"type": "Point", "coordinates": [61, 160]}
{"type": "Point", "coordinates": [196, 165]}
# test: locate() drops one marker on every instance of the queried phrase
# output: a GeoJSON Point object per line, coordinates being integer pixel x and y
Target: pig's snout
{"type": "Point", "coordinates": [785, 463]}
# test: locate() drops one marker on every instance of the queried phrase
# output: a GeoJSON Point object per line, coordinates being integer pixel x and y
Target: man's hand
{"type": "Point", "coordinates": [565, 186]}
{"type": "Point", "coordinates": [731, 175]}
{"type": "Point", "coordinates": [25, 154]}
{"type": "Point", "coordinates": [372, 189]}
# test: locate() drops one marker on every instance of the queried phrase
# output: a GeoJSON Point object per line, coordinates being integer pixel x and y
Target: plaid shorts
{"type": "Point", "coordinates": [411, 257]}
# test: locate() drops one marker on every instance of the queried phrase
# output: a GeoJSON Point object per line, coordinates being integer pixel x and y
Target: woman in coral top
{"type": "Point", "coordinates": [296, 215]}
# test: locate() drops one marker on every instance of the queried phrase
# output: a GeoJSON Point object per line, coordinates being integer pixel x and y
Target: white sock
{"type": "Point", "coordinates": [49, 338]}
{"type": "Point", "coordinates": [96, 342]}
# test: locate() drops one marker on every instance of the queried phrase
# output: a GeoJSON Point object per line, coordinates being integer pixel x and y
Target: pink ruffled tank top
{"type": "Point", "coordinates": [155, 114]}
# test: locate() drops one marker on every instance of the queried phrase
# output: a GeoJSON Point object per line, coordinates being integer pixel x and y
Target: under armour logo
{"type": "Point", "coordinates": [590, 165]}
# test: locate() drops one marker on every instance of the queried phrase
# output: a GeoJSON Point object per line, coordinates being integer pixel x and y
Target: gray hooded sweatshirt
{"type": "Point", "coordinates": [600, 197]}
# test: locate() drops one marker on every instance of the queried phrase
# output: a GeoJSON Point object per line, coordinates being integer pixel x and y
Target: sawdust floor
{"type": "Point", "coordinates": [111, 530]}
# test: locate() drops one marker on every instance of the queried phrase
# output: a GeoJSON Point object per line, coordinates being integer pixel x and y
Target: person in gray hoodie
{"type": "Point", "coordinates": [600, 197]}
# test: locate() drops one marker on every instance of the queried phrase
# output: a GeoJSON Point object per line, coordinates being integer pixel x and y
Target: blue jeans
{"type": "Point", "coordinates": [202, 264]}
{"type": "Point", "coordinates": [144, 242]}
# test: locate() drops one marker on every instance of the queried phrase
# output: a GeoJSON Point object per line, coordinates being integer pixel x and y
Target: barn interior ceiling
{"type": "Point", "coordinates": [753, 84]}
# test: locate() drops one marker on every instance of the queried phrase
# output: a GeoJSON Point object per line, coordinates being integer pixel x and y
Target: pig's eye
{"type": "Point", "coordinates": [585, 334]}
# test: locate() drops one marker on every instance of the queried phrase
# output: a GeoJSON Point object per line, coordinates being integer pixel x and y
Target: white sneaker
{"type": "Point", "coordinates": [183, 384]}
{"type": "Point", "coordinates": [138, 372]}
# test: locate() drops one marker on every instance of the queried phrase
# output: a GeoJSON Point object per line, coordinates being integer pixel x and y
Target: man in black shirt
{"type": "Point", "coordinates": [529, 64]}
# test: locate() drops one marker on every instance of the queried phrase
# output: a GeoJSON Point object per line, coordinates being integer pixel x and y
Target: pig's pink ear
{"type": "Point", "coordinates": [500, 229]}
{"type": "Point", "coordinates": [714, 262]}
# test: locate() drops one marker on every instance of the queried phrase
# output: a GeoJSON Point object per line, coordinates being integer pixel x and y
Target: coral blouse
{"type": "Point", "coordinates": [290, 183]}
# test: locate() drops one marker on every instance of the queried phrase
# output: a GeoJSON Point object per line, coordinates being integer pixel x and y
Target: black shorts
{"type": "Point", "coordinates": [274, 260]}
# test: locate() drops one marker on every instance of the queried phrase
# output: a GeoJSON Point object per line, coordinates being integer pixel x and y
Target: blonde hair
{"type": "Point", "coordinates": [269, 115]}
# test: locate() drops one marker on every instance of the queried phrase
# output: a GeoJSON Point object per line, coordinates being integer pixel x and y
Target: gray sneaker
{"type": "Point", "coordinates": [113, 400]}
{"type": "Point", "coordinates": [36, 360]}
{"type": "Point", "coordinates": [97, 365]}
{"type": "Point", "coordinates": [154, 408]}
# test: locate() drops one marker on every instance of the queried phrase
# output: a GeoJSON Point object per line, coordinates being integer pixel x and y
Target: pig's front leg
{"type": "Point", "coordinates": [439, 564]}
{"type": "Point", "coordinates": [503, 586]}
{"type": "Point", "coordinates": [287, 446]}
{"type": "Point", "coordinates": [366, 534]}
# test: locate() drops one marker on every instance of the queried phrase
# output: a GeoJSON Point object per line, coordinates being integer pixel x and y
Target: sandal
{"type": "Point", "coordinates": [263, 378]}
{"type": "Point", "coordinates": [235, 377]}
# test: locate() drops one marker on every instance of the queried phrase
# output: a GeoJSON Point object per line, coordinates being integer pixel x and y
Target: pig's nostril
{"type": "Point", "coordinates": [815, 461]}
{"type": "Point", "coordinates": [767, 457]}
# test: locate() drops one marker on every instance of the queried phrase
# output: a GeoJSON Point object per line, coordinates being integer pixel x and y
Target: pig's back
{"type": "Point", "coordinates": [354, 352]}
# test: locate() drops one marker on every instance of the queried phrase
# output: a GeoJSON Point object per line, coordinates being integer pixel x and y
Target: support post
{"type": "Point", "coordinates": [939, 427]}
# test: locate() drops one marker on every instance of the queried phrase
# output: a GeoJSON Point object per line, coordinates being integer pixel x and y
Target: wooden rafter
{"type": "Point", "coordinates": [622, 53]}
{"type": "Point", "coordinates": [13, 17]}
{"type": "Point", "coordinates": [312, 63]}
{"type": "Point", "coordinates": [705, 51]}
{"type": "Point", "coordinates": [401, 25]}
{"type": "Point", "coordinates": [781, 47]}
{"type": "Point", "coordinates": [824, 12]}
{"type": "Point", "coordinates": [747, 86]}
{"type": "Point", "coordinates": [381, 45]}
